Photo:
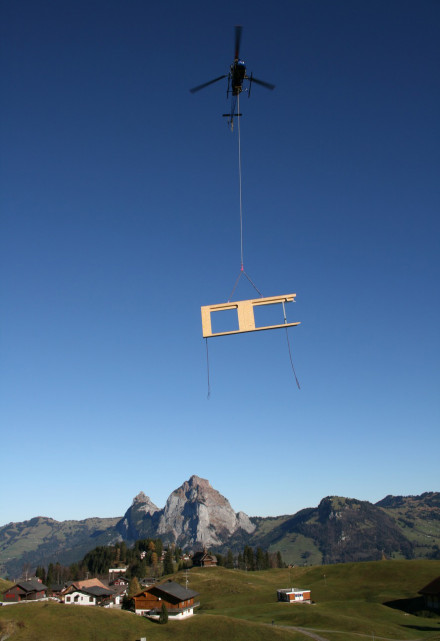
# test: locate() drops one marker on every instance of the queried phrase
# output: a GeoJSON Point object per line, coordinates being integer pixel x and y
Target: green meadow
{"type": "Point", "coordinates": [348, 603]}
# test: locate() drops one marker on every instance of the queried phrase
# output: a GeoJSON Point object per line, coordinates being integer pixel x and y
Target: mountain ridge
{"type": "Point", "coordinates": [196, 515]}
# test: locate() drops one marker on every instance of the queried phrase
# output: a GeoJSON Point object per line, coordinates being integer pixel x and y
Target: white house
{"type": "Point", "coordinates": [293, 595]}
{"type": "Point", "coordinates": [93, 595]}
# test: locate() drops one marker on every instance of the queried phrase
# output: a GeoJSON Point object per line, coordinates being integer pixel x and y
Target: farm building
{"type": "Point", "coordinates": [431, 595]}
{"type": "Point", "coordinates": [204, 559]}
{"type": "Point", "coordinates": [27, 590]}
{"type": "Point", "coordinates": [294, 595]}
{"type": "Point", "coordinates": [178, 600]}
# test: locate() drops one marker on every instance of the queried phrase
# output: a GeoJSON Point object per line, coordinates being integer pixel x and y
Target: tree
{"type": "Point", "coordinates": [50, 577]}
{"type": "Point", "coordinates": [260, 561]}
{"type": "Point", "coordinates": [58, 572]}
{"type": "Point", "coordinates": [40, 573]}
{"type": "Point", "coordinates": [154, 561]}
{"type": "Point", "coordinates": [229, 560]}
{"type": "Point", "coordinates": [26, 570]}
{"type": "Point", "coordinates": [249, 559]}
{"type": "Point", "coordinates": [280, 563]}
{"type": "Point", "coordinates": [123, 548]}
{"type": "Point", "coordinates": [266, 560]}
{"type": "Point", "coordinates": [127, 603]}
{"type": "Point", "coordinates": [142, 572]}
{"type": "Point", "coordinates": [168, 565]}
{"type": "Point", "coordinates": [159, 547]}
{"type": "Point", "coordinates": [163, 617]}
{"type": "Point", "coordinates": [134, 587]}
{"type": "Point", "coordinates": [74, 571]}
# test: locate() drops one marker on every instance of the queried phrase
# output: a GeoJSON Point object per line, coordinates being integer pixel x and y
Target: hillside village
{"type": "Point", "coordinates": [170, 599]}
{"type": "Point", "coordinates": [171, 577]}
{"type": "Point", "coordinates": [123, 586]}
{"type": "Point", "coordinates": [148, 599]}
{"type": "Point", "coordinates": [146, 596]}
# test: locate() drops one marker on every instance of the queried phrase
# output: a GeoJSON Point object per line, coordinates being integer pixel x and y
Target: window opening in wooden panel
{"type": "Point", "coordinates": [268, 315]}
{"type": "Point", "coordinates": [225, 320]}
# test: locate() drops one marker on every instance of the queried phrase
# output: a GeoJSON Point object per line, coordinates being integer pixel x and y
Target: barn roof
{"type": "Point", "coordinates": [31, 585]}
{"type": "Point", "coordinates": [432, 588]}
{"type": "Point", "coordinates": [175, 590]}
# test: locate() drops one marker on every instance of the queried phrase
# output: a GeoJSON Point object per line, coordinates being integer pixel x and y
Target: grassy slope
{"type": "Point", "coordinates": [56, 622]}
{"type": "Point", "coordinates": [4, 585]}
{"type": "Point", "coordinates": [294, 546]}
{"type": "Point", "coordinates": [349, 597]}
{"type": "Point", "coordinates": [240, 606]}
{"type": "Point", "coordinates": [417, 526]}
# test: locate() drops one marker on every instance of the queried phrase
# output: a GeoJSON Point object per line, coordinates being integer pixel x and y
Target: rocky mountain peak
{"type": "Point", "coordinates": [142, 502]}
{"type": "Point", "coordinates": [139, 498]}
{"type": "Point", "coordinates": [199, 490]}
{"type": "Point", "coordinates": [195, 513]}
{"type": "Point", "coordinates": [197, 482]}
{"type": "Point", "coordinates": [133, 520]}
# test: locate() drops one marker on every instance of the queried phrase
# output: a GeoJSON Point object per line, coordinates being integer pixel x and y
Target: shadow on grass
{"type": "Point", "coordinates": [416, 607]}
{"type": "Point", "coordinates": [423, 628]}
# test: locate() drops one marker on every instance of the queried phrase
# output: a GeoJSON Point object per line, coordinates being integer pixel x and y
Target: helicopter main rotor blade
{"type": "Point", "coordinates": [262, 83]}
{"type": "Point", "coordinates": [238, 31]}
{"type": "Point", "coordinates": [206, 84]}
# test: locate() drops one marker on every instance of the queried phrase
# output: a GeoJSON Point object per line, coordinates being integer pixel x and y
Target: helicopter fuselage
{"type": "Point", "coordinates": [237, 74]}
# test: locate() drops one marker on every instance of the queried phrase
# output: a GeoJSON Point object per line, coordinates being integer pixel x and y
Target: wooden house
{"type": "Point", "coordinates": [26, 590]}
{"type": "Point", "coordinates": [294, 595]}
{"type": "Point", "coordinates": [431, 595]}
{"type": "Point", "coordinates": [204, 559]}
{"type": "Point", "coordinates": [179, 601]}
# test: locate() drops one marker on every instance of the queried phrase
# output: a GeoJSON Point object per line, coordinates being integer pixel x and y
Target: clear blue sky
{"type": "Point", "coordinates": [120, 218]}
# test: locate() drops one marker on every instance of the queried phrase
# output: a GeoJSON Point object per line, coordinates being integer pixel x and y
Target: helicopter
{"type": "Point", "coordinates": [236, 77]}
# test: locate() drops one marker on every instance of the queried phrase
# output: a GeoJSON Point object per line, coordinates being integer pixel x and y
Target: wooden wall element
{"type": "Point", "coordinates": [245, 313]}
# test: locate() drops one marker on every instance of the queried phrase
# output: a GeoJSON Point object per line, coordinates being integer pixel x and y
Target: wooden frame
{"type": "Point", "coordinates": [245, 312]}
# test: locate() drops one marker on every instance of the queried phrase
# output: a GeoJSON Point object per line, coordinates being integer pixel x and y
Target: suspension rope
{"type": "Point", "coordinates": [207, 369]}
{"type": "Point", "coordinates": [291, 360]}
{"type": "Point", "coordinates": [290, 351]}
{"type": "Point", "coordinates": [236, 283]}
{"type": "Point", "coordinates": [239, 181]}
{"type": "Point", "coordinates": [253, 284]}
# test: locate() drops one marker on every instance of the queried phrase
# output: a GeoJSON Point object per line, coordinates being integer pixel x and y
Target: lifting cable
{"type": "Point", "coordinates": [241, 213]}
{"type": "Point", "coordinates": [239, 182]}
{"type": "Point", "coordinates": [242, 262]}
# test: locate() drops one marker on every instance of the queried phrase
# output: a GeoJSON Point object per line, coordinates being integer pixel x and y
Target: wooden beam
{"type": "Point", "coordinates": [245, 314]}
